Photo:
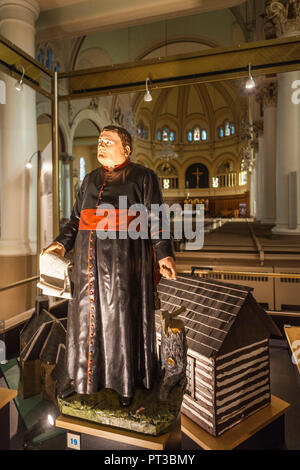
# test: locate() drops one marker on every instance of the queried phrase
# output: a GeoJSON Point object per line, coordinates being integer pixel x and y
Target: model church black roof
{"type": "Point", "coordinates": [212, 308]}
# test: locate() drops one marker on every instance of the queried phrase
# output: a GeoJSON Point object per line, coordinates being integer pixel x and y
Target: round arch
{"type": "Point", "coordinates": [197, 176]}
{"type": "Point", "coordinates": [143, 159]}
{"type": "Point", "coordinates": [220, 158]}
{"type": "Point", "coordinates": [86, 114]}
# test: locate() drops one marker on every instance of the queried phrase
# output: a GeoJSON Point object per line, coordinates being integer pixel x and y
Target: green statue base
{"type": "Point", "coordinates": [146, 414]}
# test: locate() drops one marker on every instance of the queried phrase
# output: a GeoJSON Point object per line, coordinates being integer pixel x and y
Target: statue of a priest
{"type": "Point", "coordinates": [111, 330]}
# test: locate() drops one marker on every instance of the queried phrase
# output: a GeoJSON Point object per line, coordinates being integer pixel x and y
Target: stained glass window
{"type": "Point", "coordinates": [159, 134]}
{"type": "Point", "coordinates": [221, 132]}
{"type": "Point", "coordinates": [49, 58]}
{"type": "Point", "coordinates": [82, 169]}
{"type": "Point", "coordinates": [139, 130]}
{"type": "Point", "coordinates": [172, 136]}
{"type": "Point", "coordinates": [145, 133]}
{"type": "Point", "coordinates": [40, 56]}
{"type": "Point", "coordinates": [232, 129]}
{"type": "Point", "coordinates": [196, 134]}
{"type": "Point", "coordinates": [165, 134]}
{"type": "Point", "coordinates": [227, 128]}
{"type": "Point", "coordinates": [190, 136]}
{"type": "Point", "coordinates": [203, 134]}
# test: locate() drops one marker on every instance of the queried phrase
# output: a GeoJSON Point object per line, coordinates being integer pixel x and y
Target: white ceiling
{"type": "Point", "coordinates": [62, 18]}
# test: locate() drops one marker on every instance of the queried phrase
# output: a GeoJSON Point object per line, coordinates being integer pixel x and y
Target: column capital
{"type": "Point", "coordinates": [66, 158]}
{"type": "Point", "coordinates": [282, 18]}
{"type": "Point", "coordinates": [267, 94]}
{"type": "Point", "coordinates": [24, 10]}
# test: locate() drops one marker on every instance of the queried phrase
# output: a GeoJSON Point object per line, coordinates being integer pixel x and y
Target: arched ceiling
{"type": "Point", "coordinates": [206, 103]}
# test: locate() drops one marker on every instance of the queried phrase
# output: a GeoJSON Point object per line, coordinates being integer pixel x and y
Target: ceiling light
{"type": "Point", "coordinates": [250, 83]}
{"type": "Point", "coordinates": [19, 83]}
{"type": "Point", "coordinates": [147, 96]}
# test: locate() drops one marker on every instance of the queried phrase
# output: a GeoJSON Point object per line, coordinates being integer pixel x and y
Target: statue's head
{"type": "Point", "coordinates": [114, 145]}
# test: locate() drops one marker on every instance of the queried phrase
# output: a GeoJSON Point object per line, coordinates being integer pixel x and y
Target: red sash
{"type": "Point", "coordinates": [113, 219]}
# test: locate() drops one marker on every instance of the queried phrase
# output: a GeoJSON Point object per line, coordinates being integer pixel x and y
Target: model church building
{"type": "Point", "coordinates": [228, 333]}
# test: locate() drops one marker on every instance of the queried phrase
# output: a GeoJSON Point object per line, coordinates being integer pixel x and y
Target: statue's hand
{"type": "Point", "coordinates": [167, 267]}
{"type": "Point", "coordinates": [55, 247]}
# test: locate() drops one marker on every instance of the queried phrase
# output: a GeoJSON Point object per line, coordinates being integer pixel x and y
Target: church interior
{"type": "Point", "coordinates": [210, 92]}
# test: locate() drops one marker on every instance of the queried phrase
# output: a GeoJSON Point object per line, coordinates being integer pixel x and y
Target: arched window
{"type": "Point", "coordinates": [40, 56]}
{"type": "Point", "coordinates": [142, 130]}
{"type": "Point", "coordinates": [82, 169]}
{"type": "Point", "coordinates": [197, 176]}
{"type": "Point", "coordinates": [196, 134]}
{"type": "Point", "coordinates": [49, 58]}
{"type": "Point", "coordinates": [165, 135]}
{"type": "Point", "coordinates": [226, 130]}
{"type": "Point", "coordinates": [168, 176]}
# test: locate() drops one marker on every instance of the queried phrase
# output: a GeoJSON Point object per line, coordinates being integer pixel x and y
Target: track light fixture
{"type": "Point", "coordinates": [28, 164]}
{"type": "Point", "coordinates": [19, 83]}
{"type": "Point", "coordinates": [250, 83]}
{"type": "Point", "coordinates": [147, 96]}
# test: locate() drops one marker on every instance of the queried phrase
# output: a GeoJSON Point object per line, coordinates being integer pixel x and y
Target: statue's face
{"type": "Point", "coordinates": [110, 149]}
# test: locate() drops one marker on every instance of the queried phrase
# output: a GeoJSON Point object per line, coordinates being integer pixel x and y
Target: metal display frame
{"type": "Point", "coordinates": [266, 57]}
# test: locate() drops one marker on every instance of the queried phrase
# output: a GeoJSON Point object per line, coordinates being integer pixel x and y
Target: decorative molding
{"type": "Point", "coordinates": [282, 18]}
{"type": "Point", "coordinates": [267, 95]}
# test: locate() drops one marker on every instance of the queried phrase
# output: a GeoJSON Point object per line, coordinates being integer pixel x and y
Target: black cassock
{"type": "Point", "coordinates": [111, 331]}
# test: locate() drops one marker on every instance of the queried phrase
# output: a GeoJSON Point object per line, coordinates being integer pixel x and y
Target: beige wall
{"type": "Point", "coordinates": [16, 300]}
{"type": "Point", "coordinates": [89, 153]}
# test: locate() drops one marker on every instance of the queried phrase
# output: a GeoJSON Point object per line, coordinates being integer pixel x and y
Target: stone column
{"type": "Point", "coordinates": [66, 185]}
{"type": "Point", "coordinates": [284, 17]}
{"type": "Point", "coordinates": [18, 138]}
{"type": "Point", "coordinates": [18, 185]}
{"type": "Point", "coordinates": [268, 95]}
{"type": "Point", "coordinates": [260, 178]}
